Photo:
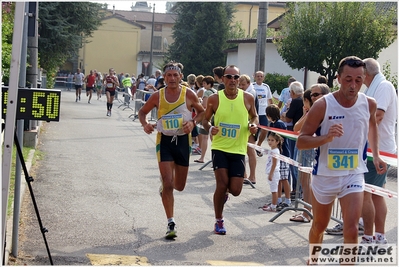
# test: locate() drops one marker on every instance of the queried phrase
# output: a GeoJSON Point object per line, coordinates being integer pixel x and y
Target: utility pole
{"type": "Point", "coordinates": [261, 37]}
{"type": "Point", "coordinates": [152, 40]}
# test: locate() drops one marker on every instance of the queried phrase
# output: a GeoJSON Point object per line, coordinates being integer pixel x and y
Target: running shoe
{"type": "Point", "coordinates": [108, 113]}
{"type": "Point", "coordinates": [367, 240]}
{"type": "Point", "coordinates": [338, 229]}
{"type": "Point", "coordinates": [171, 231]}
{"type": "Point", "coordinates": [79, 98]}
{"type": "Point", "coordinates": [219, 228]}
{"type": "Point", "coordinates": [380, 240]}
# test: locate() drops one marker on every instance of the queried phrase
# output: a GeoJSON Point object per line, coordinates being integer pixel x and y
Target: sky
{"type": "Point", "coordinates": [125, 5]}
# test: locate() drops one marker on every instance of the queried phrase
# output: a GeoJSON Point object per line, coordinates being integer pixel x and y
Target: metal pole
{"type": "Point", "coordinates": [152, 40]}
{"type": "Point", "coordinates": [11, 112]}
{"type": "Point", "coordinates": [20, 135]}
{"type": "Point", "coordinates": [33, 50]}
{"type": "Point", "coordinates": [261, 37]}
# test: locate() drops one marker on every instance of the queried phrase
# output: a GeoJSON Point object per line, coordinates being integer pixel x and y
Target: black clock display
{"type": "Point", "coordinates": [35, 104]}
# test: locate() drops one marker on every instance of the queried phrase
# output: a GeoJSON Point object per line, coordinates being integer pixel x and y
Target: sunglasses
{"type": "Point", "coordinates": [353, 63]}
{"type": "Point", "coordinates": [229, 76]}
{"type": "Point", "coordinates": [315, 95]}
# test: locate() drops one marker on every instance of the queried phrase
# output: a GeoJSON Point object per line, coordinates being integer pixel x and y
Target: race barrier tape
{"type": "Point", "coordinates": [389, 158]}
{"type": "Point", "coordinates": [368, 187]}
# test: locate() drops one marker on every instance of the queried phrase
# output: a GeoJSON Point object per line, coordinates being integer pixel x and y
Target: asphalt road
{"type": "Point", "coordinates": [97, 193]}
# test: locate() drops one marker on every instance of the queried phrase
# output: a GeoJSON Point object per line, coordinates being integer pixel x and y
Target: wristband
{"type": "Point", "coordinates": [210, 129]}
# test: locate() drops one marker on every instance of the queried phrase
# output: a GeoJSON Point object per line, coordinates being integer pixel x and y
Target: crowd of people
{"type": "Point", "coordinates": [193, 112]}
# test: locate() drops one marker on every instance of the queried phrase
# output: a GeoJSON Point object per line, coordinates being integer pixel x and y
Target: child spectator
{"type": "Point", "coordinates": [273, 115]}
{"type": "Point", "coordinates": [275, 142]}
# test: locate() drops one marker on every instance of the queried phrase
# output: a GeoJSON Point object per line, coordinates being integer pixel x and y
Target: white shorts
{"type": "Point", "coordinates": [274, 182]}
{"type": "Point", "coordinates": [327, 188]}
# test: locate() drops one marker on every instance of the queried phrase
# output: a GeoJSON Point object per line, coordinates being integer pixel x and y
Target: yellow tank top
{"type": "Point", "coordinates": [231, 117]}
{"type": "Point", "coordinates": [172, 115]}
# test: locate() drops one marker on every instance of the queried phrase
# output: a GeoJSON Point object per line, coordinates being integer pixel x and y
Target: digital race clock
{"type": "Point", "coordinates": [35, 104]}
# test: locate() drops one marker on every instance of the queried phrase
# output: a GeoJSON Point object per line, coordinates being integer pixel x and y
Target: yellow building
{"type": "Point", "coordinates": [124, 40]}
{"type": "Point", "coordinates": [115, 44]}
{"type": "Point", "coordinates": [247, 13]}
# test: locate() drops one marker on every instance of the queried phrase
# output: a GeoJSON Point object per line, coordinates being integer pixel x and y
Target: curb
{"type": "Point", "coordinates": [9, 229]}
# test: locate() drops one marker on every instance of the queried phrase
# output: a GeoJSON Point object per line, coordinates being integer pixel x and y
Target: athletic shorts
{"type": "Point", "coordinates": [89, 88]}
{"type": "Point", "coordinates": [111, 92]}
{"type": "Point", "coordinates": [372, 177]}
{"type": "Point", "coordinates": [177, 149]}
{"type": "Point", "coordinates": [327, 188]}
{"type": "Point", "coordinates": [78, 86]}
{"type": "Point", "coordinates": [284, 170]}
{"type": "Point", "coordinates": [234, 163]}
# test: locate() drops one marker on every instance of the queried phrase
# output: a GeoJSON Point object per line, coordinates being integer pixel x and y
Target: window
{"type": "Point", "coordinates": [157, 43]}
{"type": "Point", "coordinates": [157, 27]}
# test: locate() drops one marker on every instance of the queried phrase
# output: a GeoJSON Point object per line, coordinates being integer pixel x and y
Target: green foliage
{"type": "Point", "coordinates": [200, 34]}
{"type": "Point", "coordinates": [317, 35]}
{"type": "Point", "coordinates": [276, 81]}
{"type": "Point", "coordinates": [63, 27]}
{"type": "Point", "coordinates": [393, 78]}
{"type": "Point", "coordinates": [7, 27]}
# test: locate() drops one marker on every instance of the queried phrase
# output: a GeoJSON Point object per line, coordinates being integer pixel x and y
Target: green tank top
{"type": "Point", "coordinates": [231, 117]}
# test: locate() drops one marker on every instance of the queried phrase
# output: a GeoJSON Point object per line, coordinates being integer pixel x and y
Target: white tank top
{"type": "Point", "coordinates": [346, 154]}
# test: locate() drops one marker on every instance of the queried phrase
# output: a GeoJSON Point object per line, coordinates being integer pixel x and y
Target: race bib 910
{"type": "Point", "coordinates": [342, 159]}
{"type": "Point", "coordinates": [229, 130]}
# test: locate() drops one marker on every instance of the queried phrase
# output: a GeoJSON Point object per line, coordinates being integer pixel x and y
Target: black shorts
{"type": "Point", "coordinates": [89, 88]}
{"type": "Point", "coordinates": [194, 132]}
{"type": "Point", "coordinates": [177, 150]}
{"type": "Point", "coordinates": [111, 92]}
{"type": "Point", "coordinates": [234, 163]}
{"type": "Point", "coordinates": [78, 86]}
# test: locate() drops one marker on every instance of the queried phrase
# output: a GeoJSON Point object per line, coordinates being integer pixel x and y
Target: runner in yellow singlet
{"type": "Point", "coordinates": [174, 126]}
{"type": "Point", "coordinates": [232, 107]}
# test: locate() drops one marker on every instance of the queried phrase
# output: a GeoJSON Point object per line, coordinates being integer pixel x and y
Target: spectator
{"type": "Point", "coordinates": [273, 115]}
{"type": "Point", "coordinates": [293, 114]}
{"type": "Point", "coordinates": [305, 158]}
{"type": "Point", "coordinates": [141, 82]}
{"type": "Point", "coordinates": [374, 206]}
{"type": "Point", "coordinates": [69, 81]}
{"type": "Point", "coordinates": [207, 82]}
{"type": "Point", "coordinates": [285, 93]}
{"type": "Point", "coordinates": [265, 98]}
{"type": "Point", "coordinates": [275, 142]}
{"type": "Point", "coordinates": [245, 84]}
{"type": "Point", "coordinates": [322, 79]}
{"type": "Point", "coordinates": [152, 81]}
{"type": "Point", "coordinates": [218, 74]}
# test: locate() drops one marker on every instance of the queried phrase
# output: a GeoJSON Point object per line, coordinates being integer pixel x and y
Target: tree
{"type": "Point", "coordinates": [7, 27]}
{"type": "Point", "coordinates": [200, 34]}
{"type": "Point", "coordinates": [63, 27]}
{"type": "Point", "coordinates": [317, 35]}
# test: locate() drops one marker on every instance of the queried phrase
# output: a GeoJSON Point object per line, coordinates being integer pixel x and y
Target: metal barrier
{"type": "Point", "coordinates": [139, 101]}
{"type": "Point", "coordinates": [126, 99]}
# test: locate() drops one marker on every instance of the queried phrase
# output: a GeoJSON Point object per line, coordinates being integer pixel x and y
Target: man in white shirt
{"type": "Point", "coordinates": [374, 206]}
{"type": "Point", "coordinates": [265, 98]}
